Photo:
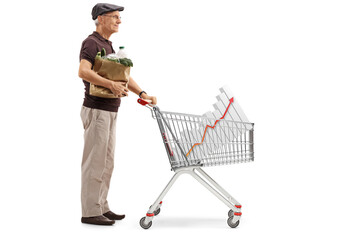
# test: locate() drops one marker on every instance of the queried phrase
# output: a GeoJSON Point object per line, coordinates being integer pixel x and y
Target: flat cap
{"type": "Point", "coordinates": [101, 8]}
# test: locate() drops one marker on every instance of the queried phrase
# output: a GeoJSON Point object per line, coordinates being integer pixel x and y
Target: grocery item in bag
{"type": "Point", "coordinates": [112, 68]}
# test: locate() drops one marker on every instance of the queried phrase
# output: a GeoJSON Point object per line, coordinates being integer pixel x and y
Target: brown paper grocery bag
{"type": "Point", "coordinates": [112, 71]}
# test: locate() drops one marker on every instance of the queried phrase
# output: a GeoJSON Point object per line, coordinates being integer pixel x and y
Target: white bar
{"type": "Point", "coordinates": [211, 136]}
{"type": "Point", "coordinates": [220, 107]}
{"type": "Point", "coordinates": [232, 114]}
{"type": "Point", "coordinates": [236, 106]}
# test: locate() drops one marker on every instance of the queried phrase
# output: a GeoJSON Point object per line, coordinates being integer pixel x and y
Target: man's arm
{"type": "Point", "coordinates": [134, 87]}
{"type": "Point", "coordinates": [86, 73]}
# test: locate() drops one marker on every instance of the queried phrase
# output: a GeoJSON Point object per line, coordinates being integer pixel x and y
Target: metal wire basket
{"type": "Point", "coordinates": [198, 140]}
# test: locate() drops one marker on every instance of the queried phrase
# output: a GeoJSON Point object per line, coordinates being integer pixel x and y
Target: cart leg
{"type": "Point", "coordinates": [211, 189]}
{"type": "Point", "coordinates": [233, 220]}
{"type": "Point", "coordinates": [236, 205]}
{"type": "Point", "coordinates": [147, 221]}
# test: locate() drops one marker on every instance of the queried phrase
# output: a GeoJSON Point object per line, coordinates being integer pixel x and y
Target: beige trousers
{"type": "Point", "coordinates": [98, 160]}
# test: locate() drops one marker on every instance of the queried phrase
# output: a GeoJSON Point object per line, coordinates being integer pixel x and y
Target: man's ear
{"type": "Point", "coordinates": [100, 19]}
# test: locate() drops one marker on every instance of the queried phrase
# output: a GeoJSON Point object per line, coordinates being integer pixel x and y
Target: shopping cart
{"type": "Point", "coordinates": [192, 142]}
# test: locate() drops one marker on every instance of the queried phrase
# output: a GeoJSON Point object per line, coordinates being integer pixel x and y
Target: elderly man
{"type": "Point", "coordinates": [99, 119]}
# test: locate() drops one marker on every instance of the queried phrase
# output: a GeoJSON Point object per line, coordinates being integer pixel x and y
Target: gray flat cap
{"type": "Point", "coordinates": [101, 8]}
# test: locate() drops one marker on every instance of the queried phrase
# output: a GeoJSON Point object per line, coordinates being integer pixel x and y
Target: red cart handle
{"type": "Point", "coordinates": [144, 102]}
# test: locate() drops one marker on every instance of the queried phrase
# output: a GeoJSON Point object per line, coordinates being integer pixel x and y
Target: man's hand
{"type": "Point", "coordinates": [152, 98]}
{"type": "Point", "coordinates": [119, 89]}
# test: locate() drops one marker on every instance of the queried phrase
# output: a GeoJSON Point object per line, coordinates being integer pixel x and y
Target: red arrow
{"type": "Point", "coordinates": [231, 101]}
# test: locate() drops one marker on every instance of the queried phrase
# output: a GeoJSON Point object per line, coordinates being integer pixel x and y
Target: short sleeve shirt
{"type": "Point", "coordinates": [89, 48]}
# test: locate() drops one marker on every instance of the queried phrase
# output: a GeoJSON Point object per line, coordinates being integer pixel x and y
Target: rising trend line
{"type": "Point", "coordinates": [231, 101]}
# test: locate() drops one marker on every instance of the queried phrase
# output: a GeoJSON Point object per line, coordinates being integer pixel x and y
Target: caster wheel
{"type": "Point", "coordinates": [157, 212]}
{"type": "Point", "coordinates": [231, 213]}
{"type": "Point", "coordinates": [143, 225]}
{"type": "Point", "coordinates": [232, 225]}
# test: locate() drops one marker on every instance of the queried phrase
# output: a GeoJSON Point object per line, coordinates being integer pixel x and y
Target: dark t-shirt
{"type": "Point", "coordinates": [89, 48]}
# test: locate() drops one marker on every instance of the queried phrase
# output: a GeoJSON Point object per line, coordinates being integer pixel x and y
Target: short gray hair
{"type": "Point", "coordinates": [96, 22]}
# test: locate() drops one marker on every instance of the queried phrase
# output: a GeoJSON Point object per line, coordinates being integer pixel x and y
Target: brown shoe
{"type": "Point", "coordinates": [98, 220]}
{"type": "Point", "coordinates": [113, 216]}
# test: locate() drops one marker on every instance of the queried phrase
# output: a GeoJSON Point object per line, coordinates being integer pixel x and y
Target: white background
{"type": "Point", "coordinates": [293, 66]}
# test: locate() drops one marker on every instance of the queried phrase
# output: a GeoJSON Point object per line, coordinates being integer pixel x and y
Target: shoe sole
{"type": "Point", "coordinates": [115, 219]}
{"type": "Point", "coordinates": [99, 223]}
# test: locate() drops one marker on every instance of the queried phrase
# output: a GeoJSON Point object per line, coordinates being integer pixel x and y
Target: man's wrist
{"type": "Point", "coordinates": [109, 84]}
{"type": "Point", "coordinates": [142, 93]}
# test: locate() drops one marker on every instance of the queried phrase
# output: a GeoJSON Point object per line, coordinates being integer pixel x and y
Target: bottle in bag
{"type": "Point", "coordinates": [121, 53]}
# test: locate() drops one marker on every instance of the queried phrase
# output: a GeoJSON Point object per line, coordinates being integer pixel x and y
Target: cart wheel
{"type": "Point", "coordinates": [157, 212]}
{"type": "Point", "coordinates": [232, 225]}
{"type": "Point", "coordinates": [145, 226]}
{"type": "Point", "coordinates": [231, 213]}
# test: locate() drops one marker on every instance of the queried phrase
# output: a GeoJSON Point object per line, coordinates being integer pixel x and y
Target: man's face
{"type": "Point", "coordinates": [111, 21]}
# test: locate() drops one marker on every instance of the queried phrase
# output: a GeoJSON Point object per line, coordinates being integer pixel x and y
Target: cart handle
{"type": "Point", "coordinates": [144, 102]}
